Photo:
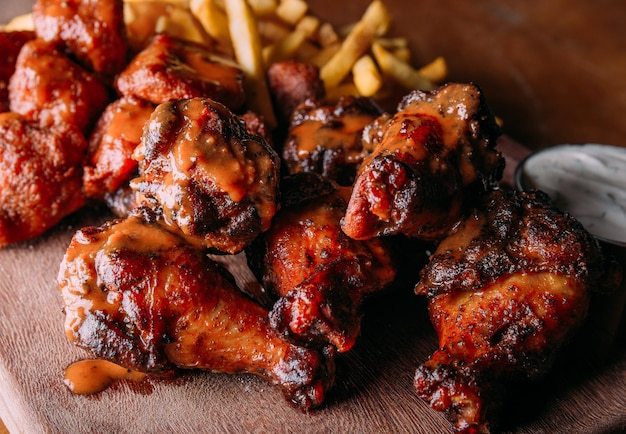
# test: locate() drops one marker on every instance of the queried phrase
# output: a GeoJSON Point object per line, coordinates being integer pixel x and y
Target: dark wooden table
{"type": "Point", "coordinates": [553, 71]}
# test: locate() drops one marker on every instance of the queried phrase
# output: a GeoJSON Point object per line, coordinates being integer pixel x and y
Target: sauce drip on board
{"type": "Point", "coordinates": [87, 377]}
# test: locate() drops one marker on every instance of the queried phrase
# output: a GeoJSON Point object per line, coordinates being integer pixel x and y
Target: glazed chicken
{"type": "Point", "coordinates": [171, 68]}
{"type": "Point", "coordinates": [92, 31]}
{"type": "Point", "coordinates": [319, 275]}
{"type": "Point", "coordinates": [117, 133]}
{"type": "Point", "coordinates": [40, 176]}
{"type": "Point", "coordinates": [207, 173]}
{"type": "Point", "coordinates": [139, 295]}
{"type": "Point", "coordinates": [431, 161]}
{"type": "Point", "coordinates": [10, 45]}
{"type": "Point", "coordinates": [505, 292]}
{"type": "Point", "coordinates": [326, 139]}
{"type": "Point", "coordinates": [49, 87]}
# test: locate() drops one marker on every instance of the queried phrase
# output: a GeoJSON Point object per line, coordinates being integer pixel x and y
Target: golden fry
{"type": "Point", "coordinates": [291, 11]}
{"type": "Point", "coordinates": [249, 55]}
{"type": "Point", "coordinates": [401, 72]}
{"type": "Point", "coordinates": [366, 76]}
{"type": "Point", "coordinates": [375, 22]}
{"type": "Point", "coordinates": [21, 22]}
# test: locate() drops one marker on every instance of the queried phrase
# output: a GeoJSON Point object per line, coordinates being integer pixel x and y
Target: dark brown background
{"type": "Point", "coordinates": [554, 71]}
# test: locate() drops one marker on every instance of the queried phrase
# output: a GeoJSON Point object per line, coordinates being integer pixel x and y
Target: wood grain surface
{"type": "Point", "coordinates": [553, 71]}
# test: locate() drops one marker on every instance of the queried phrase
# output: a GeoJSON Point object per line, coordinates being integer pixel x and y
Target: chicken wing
{"type": "Point", "coordinates": [170, 68]}
{"type": "Point", "coordinates": [326, 139]}
{"type": "Point", "coordinates": [207, 174]}
{"type": "Point", "coordinates": [139, 295]}
{"type": "Point", "coordinates": [319, 274]}
{"type": "Point", "coordinates": [93, 31]}
{"type": "Point", "coordinates": [505, 291]}
{"type": "Point", "coordinates": [40, 176]}
{"type": "Point", "coordinates": [431, 160]}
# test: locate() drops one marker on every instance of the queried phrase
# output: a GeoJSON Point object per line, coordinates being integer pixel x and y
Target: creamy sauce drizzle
{"type": "Point", "coordinates": [87, 377]}
{"type": "Point", "coordinates": [588, 181]}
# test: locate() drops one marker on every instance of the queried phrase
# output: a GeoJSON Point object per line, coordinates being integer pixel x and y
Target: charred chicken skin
{"type": "Point", "coordinates": [40, 176]}
{"type": "Point", "coordinates": [208, 174]}
{"type": "Point", "coordinates": [431, 160]}
{"type": "Point", "coordinates": [92, 31]}
{"type": "Point", "coordinates": [171, 68]}
{"type": "Point", "coordinates": [139, 295]}
{"type": "Point", "coordinates": [49, 87]}
{"type": "Point", "coordinates": [326, 139]}
{"type": "Point", "coordinates": [319, 274]}
{"type": "Point", "coordinates": [505, 291]}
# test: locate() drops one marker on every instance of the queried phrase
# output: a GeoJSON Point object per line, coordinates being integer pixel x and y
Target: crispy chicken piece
{"type": "Point", "coordinates": [505, 291]}
{"type": "Point", "coordinates": [139, 295]}
{"type": "Point", "coordinates": [47, 86]}
{"type": "Point", "coordinates": [10, 45]}
{"type": "Point", "coordinates": [171, 68]}
{"type": "Point", "coordinates": [40, 176]}
{"type": "Point", "coordinates": [210, 176]}
{"type": "Point", "coordinates": [432, 160]}
{"type": "Point", "coordinates": [320, 275]}
{"type": "Point", "coordinates": [292, 83]}
{"type": "Point", "coordinates": [326, 139]}
{"type": "Point", "coordinates": [93, 31]}
{"type": "Point", "coordinates": [110, 164]}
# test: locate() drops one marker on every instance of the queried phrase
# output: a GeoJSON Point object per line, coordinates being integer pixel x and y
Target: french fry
{"type": "Point", "coordinates": [291, 11]}
{"type": "Point", "coordinates": [284, 49]}
{"type": "Point", "coordinates": [375, 22]}
{"type": "Point", "coordinates": [401, 72]}
{"type": "Point", "coordinates": [327, 35]}
{"type": "Point", "coordinates": [366, 76]}
{"type": "Point", "coordinates": [248, 54]}
{"type": "Point", "coordinates": [180, 23]}
{"type": "Point", "coordinates": [309, 25]}
{"type": "Point", "coordinates": [213, 19]}
{"type": "Point", "coordinates": [263, 7]}
{"type": "Point", "coordinates": [436, 71]}
{"type": "Point", "coordinates": [21, 22]}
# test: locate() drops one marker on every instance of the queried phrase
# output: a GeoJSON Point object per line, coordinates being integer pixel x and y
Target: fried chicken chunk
{"type": "Point", "coordinates": [326, 139]}
{"type": "Point", "coordinates": [431, 160]}
{"type": "Point", "coordinates": [93, 31]}
{"type": "Point", "coordinates": [505, 291]}
{"type": "Point", "coordinates": [209, 175]}
{"type": "Point", "coordinates": [10, 45]}
{"type": "Point", "coordinates": [140, 296]}
{"type": "Point", "coordinates": [40, 176]}
{"type": "Point", "coordinates": [320, 275]}
{"type": "Point", "coordinates": [47, 86]}
{"type": "Point", "coordinates": [171, 68]}
{"type": "Point", "coordinates": [110, 164]}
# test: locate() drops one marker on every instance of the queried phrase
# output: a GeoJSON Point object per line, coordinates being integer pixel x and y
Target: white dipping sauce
{"type": "Point", "coordinates": [588, 181]}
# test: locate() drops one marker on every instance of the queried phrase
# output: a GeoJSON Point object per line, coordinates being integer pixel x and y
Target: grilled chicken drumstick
{"type": "Point", "coordinates": [319, 274]}
{"type": "Point", "coordinates": [505, 291]}
{"type": "Point", "coordinates": [430, 162]}
{"type": "Point", "coordinates": [137, 294]}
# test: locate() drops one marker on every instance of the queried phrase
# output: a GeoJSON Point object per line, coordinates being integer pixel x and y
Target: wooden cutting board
{"type": "Point", "coordinates": [373, 392]}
